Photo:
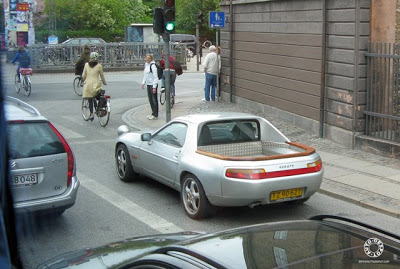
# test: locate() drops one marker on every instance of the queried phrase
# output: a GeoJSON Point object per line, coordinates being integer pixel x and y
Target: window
{"type": "Point", "coordinates": [32, 140]}
{"type": "Point", "coordinates": [229, 132]}
{"type": "Point", "coordinates": [174, 134]}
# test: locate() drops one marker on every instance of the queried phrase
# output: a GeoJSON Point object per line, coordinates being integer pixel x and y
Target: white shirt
{"type": "Point", "coordinates": [150, 78]}
{"type": "Point", "coordinates": [212, 63]}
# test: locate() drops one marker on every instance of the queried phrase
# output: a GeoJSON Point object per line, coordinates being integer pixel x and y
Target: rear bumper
{"type": "Point", "coordinates": [247, 193]}
{"type": "Point", "coordinates": [51, 204]}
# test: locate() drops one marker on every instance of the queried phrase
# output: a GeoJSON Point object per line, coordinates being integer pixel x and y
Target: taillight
{"type": "Point", "coordinates": [262, 174]}
{"type": "Point", "coordinates": [246, 173]}
{"type": "Point", "coordinates": [68, 150]}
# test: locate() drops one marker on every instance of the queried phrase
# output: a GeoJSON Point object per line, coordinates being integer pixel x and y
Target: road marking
{"type": "Point", "coordinates": [68, 133]}
{"type": "Point", "coordinates": [91, 141]}
{"type": "Point", "coordinates": [155, 222]}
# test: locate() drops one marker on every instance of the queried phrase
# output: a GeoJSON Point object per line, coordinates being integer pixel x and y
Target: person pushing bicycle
{"type": "Point", "coordinates": [23, 58]}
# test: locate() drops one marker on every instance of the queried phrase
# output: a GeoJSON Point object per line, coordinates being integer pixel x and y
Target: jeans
{"type": "Point", "coordinates": [172, 78]}
{"type": "Point", "coordinates": [152, 100]}
{"type": "Point", "coordinates": [211, 81]}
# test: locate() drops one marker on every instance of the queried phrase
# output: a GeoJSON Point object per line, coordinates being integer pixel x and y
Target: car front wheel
{"type": "Point", "coordinates": [123, 164]}
{"type": "Point", "coordinates": [194, 200]}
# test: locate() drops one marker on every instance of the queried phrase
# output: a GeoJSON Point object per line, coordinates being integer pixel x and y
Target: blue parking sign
{"type": "Point", "coordinates": [217, 19]}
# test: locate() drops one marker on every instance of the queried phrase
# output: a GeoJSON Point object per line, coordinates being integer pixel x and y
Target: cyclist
{"type": "Point", "coordinates": [92, 73]}
{"type": "Point", "coordinates": [83, 59]}
{"type": "Point", "coordinates": [23, 58]}
{"type": "Point", "coordinates": [172, 73]}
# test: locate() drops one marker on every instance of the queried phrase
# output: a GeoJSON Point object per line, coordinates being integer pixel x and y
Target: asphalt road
{"type": "Point", "coordinates": [109, 210]}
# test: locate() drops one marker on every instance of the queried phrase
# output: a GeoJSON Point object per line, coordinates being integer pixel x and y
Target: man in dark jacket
{"type": "Point", "coordinates": [23, 58]}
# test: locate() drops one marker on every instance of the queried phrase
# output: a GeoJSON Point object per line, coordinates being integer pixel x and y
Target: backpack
{"type": "Point", "coordinates": [178, 68]}
{"type": "Point", "coordinates": [159, 70]}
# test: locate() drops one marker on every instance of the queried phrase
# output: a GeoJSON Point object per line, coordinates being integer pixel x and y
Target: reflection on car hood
{"type": "Point", "coordinates": [299, 244]}
{"type": "Point", "coordinates": [115, 254]}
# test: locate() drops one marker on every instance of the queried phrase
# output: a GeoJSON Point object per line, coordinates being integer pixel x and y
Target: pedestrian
{"type": "Point", "coordinates": [83, 59]}
{"type": "Point", "coordinates": [212, 65]}
{"type": "Point", "coordinates": [150, 80]}
{"type": "Point", "coordinates": [92, 73]}
{"type": "Point", "coordinates": [172, 73]}
{"type": "Point", "coordinates": [23, 58]}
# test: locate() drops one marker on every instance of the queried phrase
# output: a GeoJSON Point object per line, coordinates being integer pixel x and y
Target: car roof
{"type": "Point", "coordinates": [16, 109]}
{"type": "Point", "coordinates": [214, 116]}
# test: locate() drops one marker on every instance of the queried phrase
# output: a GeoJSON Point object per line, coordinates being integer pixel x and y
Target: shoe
{"type": "Point", "coordinates": [149, 116]}
{"type": "Point", "coordinates": [153, 117]}
{"type": "Point", "coordinates": [203, 99]}
{"type": "Point", "coordinates": [91, 119]}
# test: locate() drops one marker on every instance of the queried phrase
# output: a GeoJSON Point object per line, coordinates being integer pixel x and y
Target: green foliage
{"type": "Point", "coordinates": [108, 18]}
{"type": "Point", "coordinates": [187, 13]}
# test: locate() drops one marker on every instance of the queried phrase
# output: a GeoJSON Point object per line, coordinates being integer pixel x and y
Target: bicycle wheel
{"type": "Point", "coordinates": [77, 86]}
{"type": "Point", "coordinates": [17, 84]}
{"type": "Point", "coordinates": [27, 85]}
{"type": "Point", "coordinates": [104, 114]}
{"type": "Point", "coordinates": [85, 109]}
{"type": "Point", "coordinates": [162, 96]}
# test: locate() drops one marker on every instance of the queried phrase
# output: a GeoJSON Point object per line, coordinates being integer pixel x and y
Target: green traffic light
{"type": "Point", "coordinates": [169, 26]}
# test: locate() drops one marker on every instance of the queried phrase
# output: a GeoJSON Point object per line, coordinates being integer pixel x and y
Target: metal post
{"type": "Point", "coordinates": [198, 44]}
{"type": "Point", "coordinates": [167, 79]}
{"type": "Point", "coordinates": [217, 43]}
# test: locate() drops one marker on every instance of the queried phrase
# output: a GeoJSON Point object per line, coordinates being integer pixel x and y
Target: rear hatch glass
{"type": "Point", "coordinates": [38, 161]}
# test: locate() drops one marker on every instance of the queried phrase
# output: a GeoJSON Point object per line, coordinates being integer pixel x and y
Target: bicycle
{"type": "Point", "coordinates": [102, 108]}
{"type": "Point", "coordinates": [78, 85]}
{"type": "Point", "coordinates": [24, 80]}
{"type": "Point", "coordinates": [163, 97]}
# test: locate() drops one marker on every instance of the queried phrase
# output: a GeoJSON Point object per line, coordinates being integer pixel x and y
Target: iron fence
{"type": "Point", "coordinates": [115, 55]}
{"type": "Point", "coordinates": [382, 107]}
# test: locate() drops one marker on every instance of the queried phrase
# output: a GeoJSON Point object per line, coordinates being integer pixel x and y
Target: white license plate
{"type": "Point", "coordinates": [27, 179]}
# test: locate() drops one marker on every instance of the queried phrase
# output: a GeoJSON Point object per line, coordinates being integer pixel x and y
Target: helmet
{"type": "Point", "coordinates": [94, 56]}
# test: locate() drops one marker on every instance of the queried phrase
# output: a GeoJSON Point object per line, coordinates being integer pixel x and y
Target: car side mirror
{"type": "Point", "coordinates": [145, 137]}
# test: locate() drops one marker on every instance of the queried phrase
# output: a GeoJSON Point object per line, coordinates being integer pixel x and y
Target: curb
{"type": "Point", "coordinates": [360, 197]}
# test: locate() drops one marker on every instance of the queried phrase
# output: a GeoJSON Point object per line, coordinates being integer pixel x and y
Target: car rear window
{"type": "Point", "coordinates": [225, 132]}
{"type": "Point", "coordinates": [33, 139]}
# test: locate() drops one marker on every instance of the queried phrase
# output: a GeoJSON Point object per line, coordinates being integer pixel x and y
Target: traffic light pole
{"type": "Point", "coordinates": [167, 78]}
{"type": "Point", "coordinates": [198, 45]}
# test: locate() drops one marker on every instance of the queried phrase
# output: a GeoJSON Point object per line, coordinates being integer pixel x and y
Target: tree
{"type": "Point", "coordinates": [99, 16]}
{"type": "Point", "coordinates": [187, 12]}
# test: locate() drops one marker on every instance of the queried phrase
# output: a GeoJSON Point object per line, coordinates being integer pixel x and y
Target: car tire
{"type": "Point", "coordinates": [194, 200]}
{"type": "Point", "coordinates": [123, 164]}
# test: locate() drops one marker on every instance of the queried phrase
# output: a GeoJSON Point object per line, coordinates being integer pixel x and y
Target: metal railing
{"type": "Point", "coordinates": [115, 55]}
{"type": "Point", "coordinates": [382, 101]}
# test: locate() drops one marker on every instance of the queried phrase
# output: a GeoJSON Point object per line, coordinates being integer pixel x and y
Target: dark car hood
{"type": "Point", "coordinates": [297, 244]}
{"type": "Point", "coordinates": [115, 254]}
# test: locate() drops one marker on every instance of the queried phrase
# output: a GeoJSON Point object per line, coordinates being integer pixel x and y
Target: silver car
{"type": "Point", "coordinates": [43, 169]}
{"type": "Point", "coordinates": [221, 159]}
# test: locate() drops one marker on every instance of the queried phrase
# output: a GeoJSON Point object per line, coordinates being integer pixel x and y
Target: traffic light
{"type": "Point", "coordinates": [158, 20]}
{"type": "Point", "coordinates": [169, 16]}
{"type": "Point", "coordinates": [200, 17]}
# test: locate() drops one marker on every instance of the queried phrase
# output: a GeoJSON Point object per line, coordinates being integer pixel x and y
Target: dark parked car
{"type": "Point", "coordinates": [320, 242]}
{"type": "Point", "coordinates": [84, 40]}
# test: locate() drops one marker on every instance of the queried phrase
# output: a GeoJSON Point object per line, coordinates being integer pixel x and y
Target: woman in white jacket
{"type": "Point", "coordinates": [150, 80]}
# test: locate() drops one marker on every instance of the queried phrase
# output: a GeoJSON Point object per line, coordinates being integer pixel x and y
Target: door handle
{"type": "Point", "coordinates": [176, 154]}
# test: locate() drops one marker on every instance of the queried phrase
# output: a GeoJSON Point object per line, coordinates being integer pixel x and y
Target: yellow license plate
{"type": "Point", "coordinates": [278, 195]}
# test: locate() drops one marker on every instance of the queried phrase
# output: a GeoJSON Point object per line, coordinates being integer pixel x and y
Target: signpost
{"type": "Point", "coordinates": [217, 21]}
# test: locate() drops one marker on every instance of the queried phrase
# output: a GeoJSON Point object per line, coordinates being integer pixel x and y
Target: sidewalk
{"type": "Point", "coordinates": [362, 178]}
